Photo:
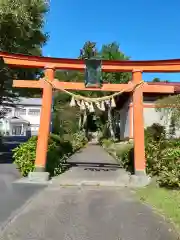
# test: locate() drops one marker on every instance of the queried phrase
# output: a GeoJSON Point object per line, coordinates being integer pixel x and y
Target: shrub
{"type": "Point", "coordinates": [171, 143]}
{"type": "Point", "coordinates": [78, 141]}
{"type": "Point", "coordinates": [24, 156]}
{"type": "Point", "coordinates": [169, 176]}
{"type": "Point", "coordinates": [154, 145]}
{"type": "Point", "coordinates": [126, 157]}
{"type": "Point", "coordinates": [107, 143]}
{"type": "Point", "coordinates": [58, 152]}
{"type": "Point", "coordinates": [162, 158]}
{"type": "Point", "coordinates": [156, 131]}
{"type": "Point", "coordinates": [65, 145]}
{"type": "Point", "coordinates": [56, 157]}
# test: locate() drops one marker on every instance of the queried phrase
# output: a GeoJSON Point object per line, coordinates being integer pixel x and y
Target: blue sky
{"type": "Point", "coordinates": [145, 29]}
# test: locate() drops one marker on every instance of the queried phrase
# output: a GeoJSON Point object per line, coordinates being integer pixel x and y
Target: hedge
{"type": "Point", "coordinates": [59, 150]}
{"type": "Point", "coordinates": [162, 157]}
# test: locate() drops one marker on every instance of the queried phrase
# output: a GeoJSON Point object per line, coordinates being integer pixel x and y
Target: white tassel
{"type": "Point", "coordinates": [98, 105]}
{"type": "Point", "coordinates": [78, 103]}
{"type": "Point", "coordinates": [108, 102]}
{"type": "Point", "coordinates": [103, 106]}
{"type": "Point", "coordinates": [113, 104]}
{"type": "Point", "coordinates": [72, 103]}
{"type": "Point", "coordinates": [82, 107]}
{"type": "Point", "coordinates": [91, 107]}
{"type": "Point", "coordinates": [87, 104]}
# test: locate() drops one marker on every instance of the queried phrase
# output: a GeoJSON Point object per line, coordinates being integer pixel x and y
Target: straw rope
{"type": "Point", "coordinates": [98, 99]}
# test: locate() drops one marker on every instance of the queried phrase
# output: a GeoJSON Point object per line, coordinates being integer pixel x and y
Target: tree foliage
{"type": "Point", "coordinates": [159, 80]}
{"type": "Point", "coordinates": [21, 24]}
{"type": "Point", "coordinates": [21, 31]}
{"type": "Point", "coordinates": [65, 118]}
{"type": "Point", "coordinates": [169, 109]}
{"type": "Point", "coordinates": [112, 52]}
{"type": "Point", "coordinates": [107, 52]}
{"type": "Point", "coordinates": [89, 50]}
{"type": "Point", "coordinates": [172, 128]}
{"type": "Point", "coordinates": [7, 96]}
{"type": "Point", "coordinates": [156, 80]}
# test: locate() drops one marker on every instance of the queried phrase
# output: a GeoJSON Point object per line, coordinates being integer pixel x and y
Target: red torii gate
{"type": "Point", "coordinates": [51, 64]}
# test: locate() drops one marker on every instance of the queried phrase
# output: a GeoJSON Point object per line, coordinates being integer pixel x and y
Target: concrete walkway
{"type": "Point", "coordinates": [13, 196]}
{"type": "Point", "coordinates": [87, 213]}
{"type": "Point", "coordinates": [84, 212]}
{"type": "Point", "coordinates": [93, 166]}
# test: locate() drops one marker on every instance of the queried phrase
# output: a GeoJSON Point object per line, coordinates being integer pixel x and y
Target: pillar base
{"type": "Point", "coordinates": [140, 173]}
{"type": "Point", "coordinates": [38, 176]}
{"type": "Point", "coordinates": [39, 169]}
{"type": "Point", "coordinates": [139, 179]}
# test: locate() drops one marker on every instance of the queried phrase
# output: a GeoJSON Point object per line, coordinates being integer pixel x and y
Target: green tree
{"type": "Point", "coordinates": [172, 128]}
{"type": "Point", "coordinates": [21, 26]}
{"type": "Point", "coordinates": [21, 31]}
{"type": "Point", "coordinates": [159, 80]}
{"type": "Point", "coordinates": [65, 118]}
{"type": "Point", "coordinates": [108, 52]}
{"type": "Point", "coordinates": [156, 80]}
{"type": "Point", "coordinates": [112, 52]}
{"type": "Point", "coordinates": [7, 95]}
{"type": "Point", "coordinates": [89, 50]}
{"type": "Point", "coordinates": [169, 108]}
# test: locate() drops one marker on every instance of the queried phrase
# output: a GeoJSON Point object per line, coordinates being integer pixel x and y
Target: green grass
{"type": "Point", "coordinates": [166, 202]}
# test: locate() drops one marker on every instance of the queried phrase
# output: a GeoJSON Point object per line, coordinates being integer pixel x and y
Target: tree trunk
{"type": "Point", "coordinates": [110, 123]}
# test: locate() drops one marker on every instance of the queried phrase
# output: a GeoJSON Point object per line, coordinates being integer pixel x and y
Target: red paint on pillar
{"type": "Point", "coordinates": [45, 120]}
{"type": "Point", "coordinates": [130, 122]}
{"type": "Point", "coordinates": [138, 124]}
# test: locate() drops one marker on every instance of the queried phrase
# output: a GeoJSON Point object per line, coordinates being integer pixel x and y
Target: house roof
{"type": "Point", "coordinates": [25, 101]}
{"type": "Point", "coordinates": [122, 99]}
{"type": "Point", "coordinates": [17, 120]}
{"type": "Point", "coordinates": [175, 84]}
{"type": "Point", "coordinates": [29, 101]}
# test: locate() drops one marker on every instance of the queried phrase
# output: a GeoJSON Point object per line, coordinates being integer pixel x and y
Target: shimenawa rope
{"type": "Point", "coordinates": [95, 100]}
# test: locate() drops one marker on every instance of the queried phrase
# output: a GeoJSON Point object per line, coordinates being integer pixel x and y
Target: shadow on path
{"type": "Point", "coordinates": [93, 166]}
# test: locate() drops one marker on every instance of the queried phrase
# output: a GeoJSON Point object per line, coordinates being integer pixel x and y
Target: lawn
{"type": "Point", "coordinates": [166, 202]}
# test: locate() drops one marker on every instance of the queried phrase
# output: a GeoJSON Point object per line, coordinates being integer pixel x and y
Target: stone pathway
{"type": "Point", "coordinates": [87, 213]}
{"type": "Point", "coordinates": [84, 212]}
{"type": "Point", "coordinates": [93, 166]}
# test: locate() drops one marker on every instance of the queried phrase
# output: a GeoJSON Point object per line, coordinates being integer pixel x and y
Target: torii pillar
{"type": "Point", "coordinates": [40, 175]}
{"type": "Point", "coordinates": [138, 126]}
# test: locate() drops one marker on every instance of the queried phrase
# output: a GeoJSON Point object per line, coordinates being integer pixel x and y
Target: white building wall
{"type": "Point", "coordinates": [33, 119]}
{"type": "Point", "coordinates": [124, 121]}
{"type": "Point", "coordinates": [152, 116]}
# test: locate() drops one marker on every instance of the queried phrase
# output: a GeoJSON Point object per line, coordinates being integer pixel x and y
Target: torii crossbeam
{"type": "Point", "coordinates": [51, 64]}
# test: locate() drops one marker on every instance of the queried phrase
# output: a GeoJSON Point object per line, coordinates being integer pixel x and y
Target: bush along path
{"type": "Point", "coordinates": [163, 165]}
{"type": "Point", "coordinates": [59, 150]}
{"type": "Point", "coordinates": [162, 157]}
